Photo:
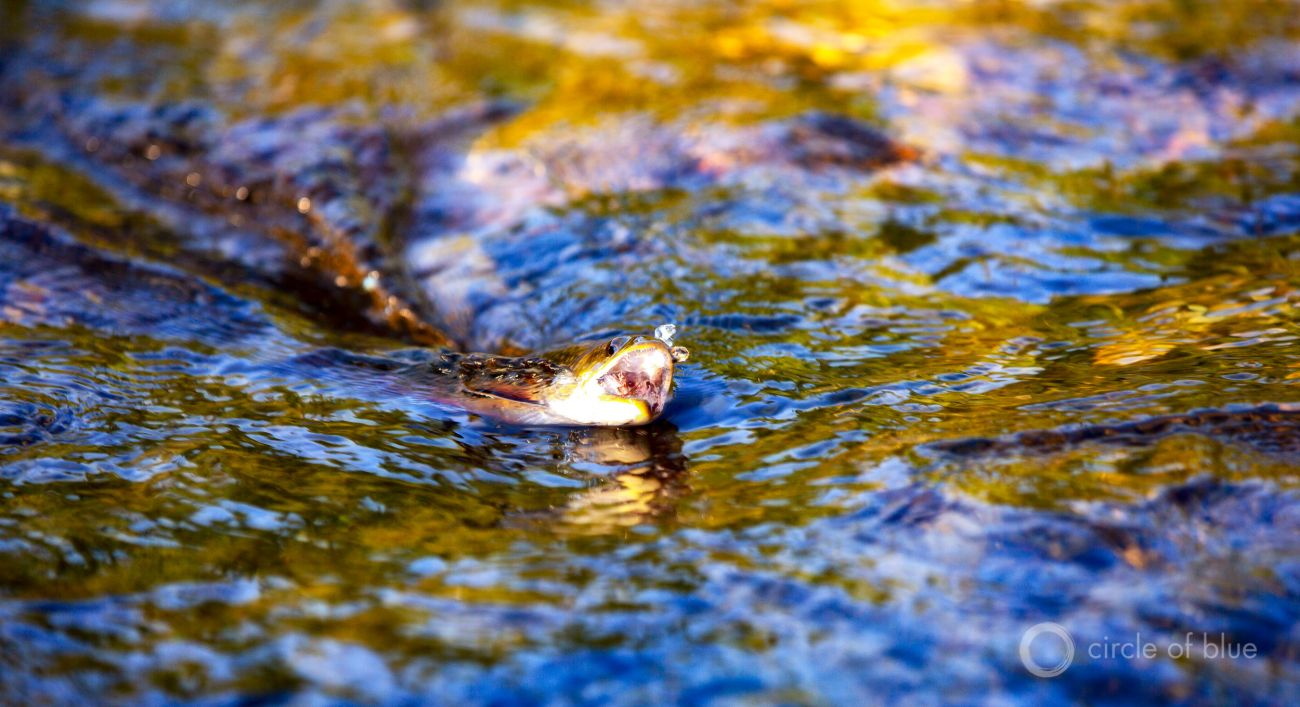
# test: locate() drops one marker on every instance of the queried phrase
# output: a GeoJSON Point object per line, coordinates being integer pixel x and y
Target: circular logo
{"type": "Point", "coordinates": [1027, 657]}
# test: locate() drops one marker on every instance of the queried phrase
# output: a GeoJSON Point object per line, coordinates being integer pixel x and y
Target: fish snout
{"type": "Point", "coordinates": [644, 372]}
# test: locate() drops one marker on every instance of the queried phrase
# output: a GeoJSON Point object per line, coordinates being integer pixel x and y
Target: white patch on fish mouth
{"type": "Point", "coordinates": [642, 374]}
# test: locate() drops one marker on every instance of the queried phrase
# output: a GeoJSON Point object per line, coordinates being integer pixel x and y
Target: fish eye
{"type": "Point", "coordinates": [615, 344]}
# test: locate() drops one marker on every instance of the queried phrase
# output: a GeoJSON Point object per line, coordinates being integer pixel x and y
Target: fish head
{"type": "Point", "coordinates": [624, 381]}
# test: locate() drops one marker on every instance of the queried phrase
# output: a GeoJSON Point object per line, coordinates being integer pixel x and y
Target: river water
{"type": "Point", "coordinates": [1095, 231]}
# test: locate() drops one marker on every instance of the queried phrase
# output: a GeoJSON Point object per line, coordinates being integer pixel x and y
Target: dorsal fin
{"type": "Point", "coordinates": [516, 379]}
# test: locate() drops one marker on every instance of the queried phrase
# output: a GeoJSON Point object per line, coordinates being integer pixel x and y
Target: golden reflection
{"type": "Point", "coordinates": [651, 472]}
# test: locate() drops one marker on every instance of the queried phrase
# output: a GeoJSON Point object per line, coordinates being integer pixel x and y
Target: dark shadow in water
{"type": "Point", "coordinates": [1271, 429]}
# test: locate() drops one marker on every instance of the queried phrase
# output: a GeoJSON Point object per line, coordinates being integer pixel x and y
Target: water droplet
{"type": "Point", "coordinates": [666, 332]}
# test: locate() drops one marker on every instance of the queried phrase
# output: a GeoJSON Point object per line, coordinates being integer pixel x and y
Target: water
{"type": "Point", "coordinates": [1099, 227]}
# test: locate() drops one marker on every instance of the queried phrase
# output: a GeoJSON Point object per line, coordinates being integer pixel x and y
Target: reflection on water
{"type": "Point", "coordinates": [992, 309]}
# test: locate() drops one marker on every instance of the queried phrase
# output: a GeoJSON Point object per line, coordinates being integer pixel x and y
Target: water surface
{"type": "Point", "coordinates": [1100, 227]}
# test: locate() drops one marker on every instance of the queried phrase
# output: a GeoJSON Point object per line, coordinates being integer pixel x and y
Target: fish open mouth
{"type": "Point", "coordinates": [645, 373]}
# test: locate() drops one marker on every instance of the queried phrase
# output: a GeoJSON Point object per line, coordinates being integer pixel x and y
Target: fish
{"type": "Point", "coordinates": [623, 382]}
